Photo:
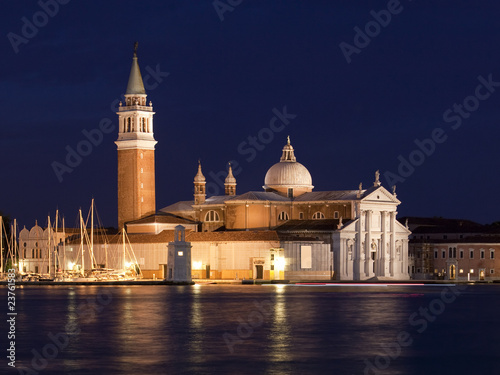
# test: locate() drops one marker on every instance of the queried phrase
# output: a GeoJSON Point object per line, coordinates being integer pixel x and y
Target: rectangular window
{"type": "Point", "coordinates": [454, 252]}
{"type": "Point", "coordinates": [492, 271]}
{"type": "Point", "coordinates": [272, 267]}
{"type": "Point", "coordinates": [435, 254]}
{"type": "Point", "coordinates": [471, 255]}
{"type": "Point", "coordinates": [450, 254]}
{"type": "Point", "coordinates": [180, 253]}
{"type": "Point", "coordinates": [272, 256]}
{"type": "Point", "coordinates": [444, 254]}
{"type": "Point", "coordinates": [445, 236]}
{"type": "Point", "coordinates": [301, 215]}
{"type": "Point", "coordinates": [482, 254]}
{"type": "Point", "coordinates": [461, 270]}
{"type": "Point", "coordinates": [492, 254]}
{"type": "Point", "coordinates": [461, 254]}
{"type": "Point", "coordinates": [305, 257]}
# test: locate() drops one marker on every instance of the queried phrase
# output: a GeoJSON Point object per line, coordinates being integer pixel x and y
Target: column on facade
{"type": "Point", "coordinates": [368, 244]}
{"type": "Point", "coordinates": [358, 248]}
{"type": "Point", "coordinates": [383, 244]}
{"type": "Point", "coordinates": [393, 243]}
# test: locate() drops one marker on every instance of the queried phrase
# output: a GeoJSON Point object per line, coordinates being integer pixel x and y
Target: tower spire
{"type": "Point", "coordinates": [199, 186]}
{"type": "Point", "coordinates": [230, 182]}
{"type": "Point", "coordinates": [135, 84]}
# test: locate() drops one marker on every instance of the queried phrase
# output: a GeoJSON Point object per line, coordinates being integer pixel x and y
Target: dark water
{"type": "Point", "coordinates": [257, 330]}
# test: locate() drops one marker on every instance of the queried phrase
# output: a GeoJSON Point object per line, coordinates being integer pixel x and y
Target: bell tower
{"type": "Point", "coordinates": [136, 151]}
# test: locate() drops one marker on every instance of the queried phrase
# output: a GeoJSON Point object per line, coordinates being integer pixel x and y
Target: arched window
{"type": "Point", "coordinates": [336, 215]}
{"type": "Point", "coordinates": [283, 216]}
{"type": "Point", "coordinates": [32, 253]}
{"type": "Point", "coordinates": [212, 216]}
{"type": "Point", "coordinates": [318, 215]}
{"type": "Point", "coordinates": [128, 125]}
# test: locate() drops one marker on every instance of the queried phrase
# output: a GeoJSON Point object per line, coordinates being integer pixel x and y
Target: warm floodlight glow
{"type": "Point", "coordinates": [279, 263]}
{"type": "Point", "coordinates": [471, 270]}
{"type": "Point", "coordinates": [71, 265]}
{"type": "Point", "coordinates": [127, 264]}
{"type": "Point", "coordinates": [197, 265]}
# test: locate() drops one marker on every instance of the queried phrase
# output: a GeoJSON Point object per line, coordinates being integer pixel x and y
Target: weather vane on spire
{"type": "Point", "coordinates": [136, 44]}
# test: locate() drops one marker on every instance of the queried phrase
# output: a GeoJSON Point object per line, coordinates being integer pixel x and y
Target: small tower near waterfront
{"type": "Point", "coordinates": [179, 257]}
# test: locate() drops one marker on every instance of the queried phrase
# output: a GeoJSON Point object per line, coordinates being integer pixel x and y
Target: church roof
{"type": "Point", "coordinates": [163, 218]}
{"type": "Point", "coordinates": [308, 225]}
{"type": "Point", "coordinates": [260, 196]}
{"type": "Point", "coordinates": [181, 206]}
{"type": "Point", "coordinates": [135, 84]}
{"type": "Point", "coordinates": [333, 195]}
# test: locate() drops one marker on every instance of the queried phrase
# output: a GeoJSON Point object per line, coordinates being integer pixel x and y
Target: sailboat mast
{"type": "Point", "coordinates": [55, 244]}
{"type": "Point", "coordinates": [64, 247]}
{"type": "Point", "coordinates": [48, 244]}
{"type": "Point", "coordinates": [1, 245]}
{"type": "Point", "coordinates": [123, 235]}
{"type": "Point", "coordinates": [92, 233]}
{"type": "Point", "coordinates": [15, 242]}
{"type": "Point", "coordinates": [81, 242]}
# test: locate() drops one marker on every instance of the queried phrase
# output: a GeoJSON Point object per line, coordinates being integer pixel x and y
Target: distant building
{"type": "Point", "coordinates": [453, 249]}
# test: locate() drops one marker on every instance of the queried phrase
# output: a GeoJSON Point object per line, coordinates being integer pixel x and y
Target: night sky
{"type": "Point", "coordinates": [229, 71]}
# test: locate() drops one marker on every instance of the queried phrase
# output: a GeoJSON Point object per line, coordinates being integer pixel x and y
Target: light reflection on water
{"type": "Point", "coordinates": [300, 330]}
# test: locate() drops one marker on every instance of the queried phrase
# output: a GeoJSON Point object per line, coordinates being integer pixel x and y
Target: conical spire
{"type": "Point", "coordinates": [230, 182]}
{"type": "Point", "coordinates": [199, 176]}
{"type": "Point", "coordinates": [135, 84]}
{"type": "Point", "coordinates": [230, 178]}
{"type": "Point", "coordinates": [288, 154]}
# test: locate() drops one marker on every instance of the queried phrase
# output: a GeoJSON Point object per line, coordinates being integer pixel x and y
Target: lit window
{"type": "Point", "coordinates": [472, 270]}
{"type": "Point", "coordinates": [461, 270]}
{"type": "Point", "coordinates": [212, 216]}
{"type": "Point", "coordinates": [180, 253]}
{"type": "Point", "coordinates": [283, 216]}
{"type": "Point", "coordinates": [318, 215]}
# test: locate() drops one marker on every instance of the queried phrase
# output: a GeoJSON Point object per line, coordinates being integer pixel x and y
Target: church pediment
{"type": "Point", "coordinates": [380, 194]}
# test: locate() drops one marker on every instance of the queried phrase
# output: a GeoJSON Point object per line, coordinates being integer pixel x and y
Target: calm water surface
{"type": "Point", "coordinates": [217, 329]}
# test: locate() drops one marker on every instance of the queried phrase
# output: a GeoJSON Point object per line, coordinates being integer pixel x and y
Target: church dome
{"type": "Point", "coordinates": [288, 173]}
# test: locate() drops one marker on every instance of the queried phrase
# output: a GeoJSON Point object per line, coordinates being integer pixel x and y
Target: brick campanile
{"type": "Point", "coordinates": [136, 151]}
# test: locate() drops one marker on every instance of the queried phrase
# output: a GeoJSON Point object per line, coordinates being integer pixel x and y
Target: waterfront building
{"type": "Point", "coordinates": [452, 249]}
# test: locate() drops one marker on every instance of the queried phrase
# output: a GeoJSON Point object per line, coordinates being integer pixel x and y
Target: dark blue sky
{"type": "Point", "coordinates": [226, 77]}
